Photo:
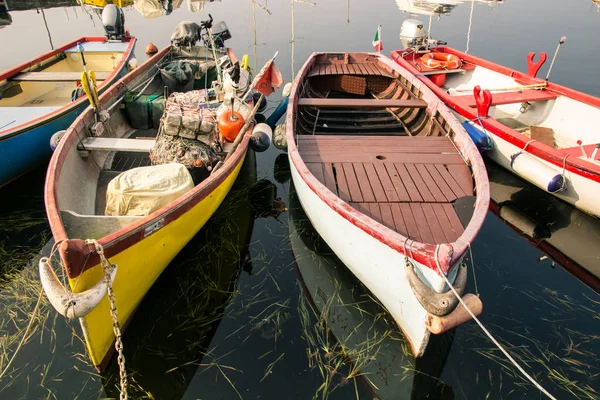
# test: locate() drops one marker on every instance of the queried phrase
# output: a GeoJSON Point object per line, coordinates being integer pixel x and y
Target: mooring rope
{"type": "Point", "coordinates": [489, 335]}
{"type": "Point", "coordinates": [472, 262]}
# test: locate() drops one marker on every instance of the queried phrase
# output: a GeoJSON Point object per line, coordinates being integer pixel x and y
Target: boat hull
{"type": "Point", "coordinates": [142, 262]}
{"type": "Point", "coordinates": [579, 191]}
{"type": "Point", "coordinates": [31, 147]}
{"type": "Point", "coordinates": [380, 268]}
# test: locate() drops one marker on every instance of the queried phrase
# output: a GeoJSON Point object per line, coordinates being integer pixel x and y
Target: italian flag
{"type": "Point", "coordinates": [377, 40]}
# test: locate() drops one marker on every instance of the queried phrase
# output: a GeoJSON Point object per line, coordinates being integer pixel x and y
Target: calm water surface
{"type": "Point", "coordinates": [243, 311]}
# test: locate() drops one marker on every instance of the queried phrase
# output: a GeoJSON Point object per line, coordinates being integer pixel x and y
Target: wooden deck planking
{"type": "Point", "coordinates": [432, 221]}
{"type": "Point", "coordinates": [386, 183]}
{"type": "Point", "coordinates": [430, 183]}
{"type": "Point", "coordinates": [409, 192]}
{"type": "Point", "coordinates": [329, 178]}
{"type": "Point", "coordinates": [396, 180]}
{"type": "Point", "coordinates": [421, 221]}
{"type": "Point", "coordinates": [375, 211]}
{"type": "Point", "coordinates": [378, 191]}
{"type": "Point", "coordinates": [454, 186]}
{"type": "Point", "coordinates": [363, 182]}
{"type": "Point", "coordinates": [441, 182]}
{"type": "Point", "coordinates": [408, 183]}
{"type": "Point", "coordinates": [317, 170]}
{"type": "Point", "coordinates": [399, 219]}
{"type": "Point", "coordinates": [387, 218]}
{"type": "Point", "coordinates": [353, 186]}
{"type": "Point", "coordinates": [453, 218]}
{"type": "Point", "coordinates": [342, 184]}
{"type": "Point", "coordinates": [419, 183]}
{"type": "Point", "coordinates": [462, 175]}
{"type": "Point", "coordinates": [449, 231]}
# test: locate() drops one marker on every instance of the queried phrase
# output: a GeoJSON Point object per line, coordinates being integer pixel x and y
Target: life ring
{"type": "Point", "coordinates": [441, 61]}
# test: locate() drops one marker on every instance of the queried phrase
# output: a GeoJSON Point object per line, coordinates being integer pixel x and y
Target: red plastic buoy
{"type": "Point", "coordinates": [151, 49]}
{"type": "Point", "coordinates": [230, 125]}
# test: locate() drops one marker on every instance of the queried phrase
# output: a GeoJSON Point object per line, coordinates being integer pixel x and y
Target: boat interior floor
{"type": "Point", "coordinates": [409, 184]}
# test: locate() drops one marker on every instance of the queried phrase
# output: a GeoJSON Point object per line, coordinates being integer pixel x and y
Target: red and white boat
{"type": "Point", "coordinates": [391, 181]}
{"type": "Point", "coordinates": [535, 128]}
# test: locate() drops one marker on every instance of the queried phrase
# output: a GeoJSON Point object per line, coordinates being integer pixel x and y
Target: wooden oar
{"type": "Point", "coordinates": [523, 87]}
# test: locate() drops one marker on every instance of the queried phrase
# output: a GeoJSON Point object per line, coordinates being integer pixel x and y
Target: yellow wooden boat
{"type": "Point", "coordinates": [100, 145]}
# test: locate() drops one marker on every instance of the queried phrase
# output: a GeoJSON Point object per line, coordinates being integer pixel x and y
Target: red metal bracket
{"type": "Point", "coordinates": [483, 100]}
{"type": "Point", "coordinates": [532, 67]}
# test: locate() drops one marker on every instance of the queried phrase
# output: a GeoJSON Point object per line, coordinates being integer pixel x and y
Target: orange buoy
{"type": "Point", "coordinates": [230, 123]}
{"type": "Point", "coordinates": [151, 49]}
{"type": "Point", "coordinates": [437, 60]}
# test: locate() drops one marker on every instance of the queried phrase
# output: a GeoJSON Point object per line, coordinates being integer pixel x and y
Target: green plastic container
{"type": "Point", "coordinates": [145, 111]}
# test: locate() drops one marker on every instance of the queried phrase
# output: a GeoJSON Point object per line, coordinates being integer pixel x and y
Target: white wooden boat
{"type": "Point", "coordinates": [383, 169]}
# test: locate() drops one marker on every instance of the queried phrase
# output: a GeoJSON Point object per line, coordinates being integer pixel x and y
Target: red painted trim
{"type": "Point", "coordinates": [538, 149]}
{"type": "Point", "coordinates": [420, 252]}
{"type": "Point", "coordinates": [134, 233]}
{"type": "Point", "coordinates": [72, 105]}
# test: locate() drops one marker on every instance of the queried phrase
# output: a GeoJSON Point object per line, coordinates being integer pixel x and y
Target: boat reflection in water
{"type": "Point", "coordinates": [436, 7]}
{"type": "Point", "coordinates": [5, 18]}
{"type": "Point", "coordinates": [566, 235]}
{"type": "Point", "coordinates": [174, 325]}
{"type": "Point", "coordinates": [369, 346]}
{"type": "Point", "coordinates": [426, 7]}
{"type": "Point", "coordinates": [158, 8]}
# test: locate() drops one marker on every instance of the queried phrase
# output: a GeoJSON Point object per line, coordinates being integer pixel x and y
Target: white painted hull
{"type": "Point", "coordinates": [380, 268]}
{"type": "Point", "coordinates": [580, 191]}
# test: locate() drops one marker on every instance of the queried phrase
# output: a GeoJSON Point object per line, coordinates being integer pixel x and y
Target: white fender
{"type": "Point", "coordinates": [69, 304]}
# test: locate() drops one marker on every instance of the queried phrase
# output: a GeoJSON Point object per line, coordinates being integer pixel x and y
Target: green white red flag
{"type": "Point", "coordinates": [377, 43]}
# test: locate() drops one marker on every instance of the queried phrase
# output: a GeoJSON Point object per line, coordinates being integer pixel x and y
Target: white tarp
{"type": "Point", "coordinates": [141, 191]}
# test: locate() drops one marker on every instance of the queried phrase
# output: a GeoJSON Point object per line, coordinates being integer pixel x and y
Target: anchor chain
{"type": "Point", "coordinates": [106, 266]}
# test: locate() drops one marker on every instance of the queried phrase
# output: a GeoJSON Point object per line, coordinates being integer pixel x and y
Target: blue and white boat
{"type": "Point", "coordinates": [43, 96]}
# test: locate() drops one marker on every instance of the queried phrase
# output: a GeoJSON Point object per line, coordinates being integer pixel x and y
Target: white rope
{"type": "Point", "coordinates": [470, 24]}
{"type": "Point", "coordinates": [512, 360]}
{"type": "Point", "coordinates": [472, 263]}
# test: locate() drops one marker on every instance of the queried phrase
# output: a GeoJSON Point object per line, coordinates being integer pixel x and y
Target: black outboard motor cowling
{"type": "Point", "coordinates": [113, 20]}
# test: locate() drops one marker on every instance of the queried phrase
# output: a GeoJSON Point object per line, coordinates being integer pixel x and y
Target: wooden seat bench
{"type": "Point", "coordinates": [44, 76]}
{"type": "Point", "coordinates": [113, 144]}
{"type": "Point", "coordinates": [406, 183]}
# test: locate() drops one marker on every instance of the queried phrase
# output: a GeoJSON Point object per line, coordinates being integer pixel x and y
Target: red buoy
{"type": "Point", "coordinates": [230, 123]}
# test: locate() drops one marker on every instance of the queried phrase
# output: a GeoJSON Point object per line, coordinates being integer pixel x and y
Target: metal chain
{"type": "Point", "coordinates": [106, 266]}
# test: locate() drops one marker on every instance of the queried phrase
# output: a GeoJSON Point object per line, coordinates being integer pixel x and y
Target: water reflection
{"type": "Point", "coordinates": [157, 8]}
{"type": "Point", "coordinates": [5, 18]}
{"type": "Point", "coordinates": [436, 7]}
{"type": "Point", "coordinates": [368, 346]}
{"type": "Point", "coordinates": [566, 235]}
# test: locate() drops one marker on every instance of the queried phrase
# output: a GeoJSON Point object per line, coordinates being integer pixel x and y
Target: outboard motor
{"type": "Point", "coordinates": [220, 33]}
{"type": "Point", "coordinates": [113, 20]}
{"type": "Point", "coordinates": [412, 35]}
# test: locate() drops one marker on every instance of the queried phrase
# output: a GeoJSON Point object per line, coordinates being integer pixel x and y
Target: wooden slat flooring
{"type": "Point", "coordinates": [406, 183]}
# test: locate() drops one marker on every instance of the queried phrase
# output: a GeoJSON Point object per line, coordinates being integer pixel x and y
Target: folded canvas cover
{"type": "Point", "coordinates": [141, 191]}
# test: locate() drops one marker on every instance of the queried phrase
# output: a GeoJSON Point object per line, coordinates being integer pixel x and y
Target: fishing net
{"type": "Point", "coordinates": [188, 132]}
